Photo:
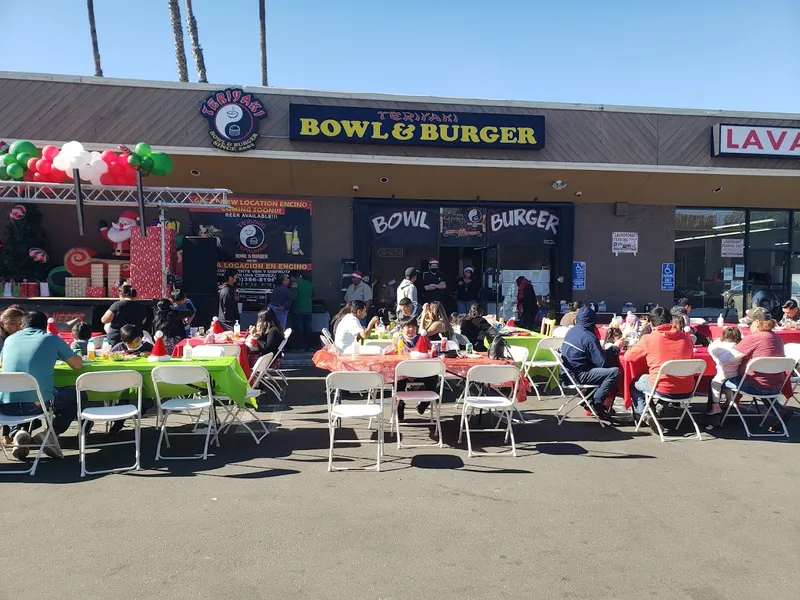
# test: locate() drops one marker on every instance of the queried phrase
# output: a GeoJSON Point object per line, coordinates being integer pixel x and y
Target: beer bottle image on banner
{"type": "Point", "coordinates": [296, 243]}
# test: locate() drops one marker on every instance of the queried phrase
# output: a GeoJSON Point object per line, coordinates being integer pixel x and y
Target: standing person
{"type": "Point", "coordinates": [185, 307]}
{"type": "Point", "coordinates": [358, 290]}
{"type": "Point", "coordinates": [408, 289]}
{"type": "Point", "coordinates": [10, 323]}
{"type": "Point", "coordinates": [432, 283]}
{"type": "Point", "coordinates": [526, 303]}
{"type": "Point", "coordinates": [283, 295]}
{"type": "Point", "coordinates": [468, 291]}
{"type": "Point", "coordinates": [126, 311]}
{"type": "Point", "coordinates": [229, 299]}
{"type": "Point", "coordinates": [169, 322]}
{"type": "Point", "coordinates": [32, 350]}
{"type": "Point", "coordinates": [301, 310]}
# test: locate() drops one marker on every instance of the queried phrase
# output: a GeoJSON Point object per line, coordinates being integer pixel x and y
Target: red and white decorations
{"type": "Point", "coordinates": [78, 261]}
{"type": "Point", "coordinates": [119, 233]}
{"type": "Point", "coordinates": [38, 255]}
{"type": "Point", "coordinates": [51, 326]}
{"type": "Point", "coordinates": [159, 352]}
{"type": "Point", "coordinates": [748, 140]}
{"type": "Point", "coordinates": [96, 291]}
{"type": "Point", "coordinates": [146, 273]}
{"type": "Point", "coordinates": [17, 213]}
{"type": "Point", "coordinates": [216, 327]}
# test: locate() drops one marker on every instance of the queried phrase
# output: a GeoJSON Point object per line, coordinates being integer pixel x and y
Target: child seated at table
{"type": "Point", "coordinates": [410, 340]}
{"type": "Point", "coordinates": [81, 333]}
{"type": "Point", "coordinates": [644, 325]}
{"type": "Point", "coordinates": [265, 337]}
{"type": "Point", "coordinates": [727, 365]}
{"type": "Point", "coordinates": [184, 306]}
{"type": "Point", "coordinates": [613, 335]}
{"type": "Point", "coordinates": [132, 344]}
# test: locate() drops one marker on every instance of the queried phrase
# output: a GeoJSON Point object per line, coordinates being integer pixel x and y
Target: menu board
{"type": "Point", "coordinates": [462, 226]}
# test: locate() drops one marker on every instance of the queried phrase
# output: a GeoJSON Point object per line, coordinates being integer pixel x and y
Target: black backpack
{"type": "Point", "coordinates": [499, 348]}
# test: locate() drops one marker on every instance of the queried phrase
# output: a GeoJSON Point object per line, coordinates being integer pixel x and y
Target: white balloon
{"type": "Point", "coordinates": [61, 162]}
{"type": "Point", "coordinates": [95, 156]}
{"type": "Point", "coordinates": [72, 148]}
{"type": "Point", "coordinates": [96, 180]}
{"type": "Point", "coordinates": [99, 165]}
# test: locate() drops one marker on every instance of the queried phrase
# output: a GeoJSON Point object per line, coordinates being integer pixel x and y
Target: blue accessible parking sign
{"type": "Point", "coordinates": [578, 275]}
{"type": "Point", "coordinates": [667, 277]}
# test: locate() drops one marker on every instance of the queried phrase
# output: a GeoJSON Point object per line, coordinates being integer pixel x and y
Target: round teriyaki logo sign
{"type": "Point", "coordinates": [234, 118]}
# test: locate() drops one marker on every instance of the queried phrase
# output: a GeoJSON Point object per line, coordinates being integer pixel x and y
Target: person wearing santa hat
{"type": "Point", "coordinates": [432, 283]}
{"type": "Point", "coordinates": [358, 289]}
{"type": "Point", "coordinates": [119, 233]}
{"type": "Point", "coordinates": [468, 291]}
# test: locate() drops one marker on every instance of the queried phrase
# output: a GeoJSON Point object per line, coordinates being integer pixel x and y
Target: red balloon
{"type": "Point", "coordinates": [57, 176]}
{"type": "Point", "coordinates": [107, 179]}
{"type": "Point", "coordinates": [108, 157]}
{"type": "Point", "coordinates": [50, 152]}
{"type": "Point", "coordinates": [28, 176]}
{"type": "Point", "coordinates": [43, 166]}
{"type": "Point", "coordinates": [38, 177]}
{"type": "Point", "coordinates": [115, 169]}
{"type": "Point", "coordinates": [31, 164]}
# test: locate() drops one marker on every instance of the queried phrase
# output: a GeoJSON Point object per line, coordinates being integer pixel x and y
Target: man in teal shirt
{"type": "Point", "coordinates": [301, 312]}
{"type": "Point", "coordinates": [32, 350]}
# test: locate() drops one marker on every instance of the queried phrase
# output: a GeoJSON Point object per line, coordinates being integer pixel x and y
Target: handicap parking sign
{"type": "Point", "coordinates": [667, 277]}
{"type": "Point", "coordinates": [578, 275]}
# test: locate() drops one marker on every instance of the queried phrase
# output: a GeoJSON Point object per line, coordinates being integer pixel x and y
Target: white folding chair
{"type": "Point", "coordinates": [208, 351]}
{"type": "Point", "coordinates": [327, 337]}
{"type": "Point", "coordinates": [419, 369]}
{"type": "Point", "coordinates": [493, 377]}
{"type": "Point", "coordinates": [581, 394]}
{"type": "Point", "coordinates": [453, 344]}
{"type": "Point", "coordinates": [674, 368]}
{"type": "Point", "coordinates": [230, 350]}
{"type": "Point", "coordinates": [276, 374]}
{"type": "Point", "coordinates": [23, 382]}
{"type": "Point", "coordinates": [765, 366]}
{"type": "Point", "coordinates": [109, 381]}
{"type": "Point", "coordinates": [550, 365]}
{"type": "Point", "coordinates": [354, 382]}
{"type": "Point", "coordinates": [185, 375]}
{"type": "Point", "coordinates": [258, 377]}
{"type": "Point", "coordinates": [370, 349]}
{"type": "Point", "coordinates": [793, 351]}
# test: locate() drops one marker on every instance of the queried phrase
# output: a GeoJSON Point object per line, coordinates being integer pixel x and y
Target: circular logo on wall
{"type": "Point", "coordinates": [252, 236]}
{"type": "Point", "coordinates": [475, 215]}
{"type": "Point", "coordinates": [234, 118]}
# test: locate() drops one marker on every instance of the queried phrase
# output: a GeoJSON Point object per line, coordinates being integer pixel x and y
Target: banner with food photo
{"type": "Point", "coordinates": [259, 237]}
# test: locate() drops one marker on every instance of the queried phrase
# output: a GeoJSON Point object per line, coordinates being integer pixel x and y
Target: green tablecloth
{"type": "Point", "coordinates": [530, 342]}
{"type": "Point", "coordinates": [225, 371]}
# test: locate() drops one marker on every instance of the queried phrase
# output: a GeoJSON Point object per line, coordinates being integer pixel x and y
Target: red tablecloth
{"type": "Point", "coordinates": [385, 365]}
{"type": "Point", "coordinates": [244, 351]}
{"type": "Point", "coordinates": [789, 336]}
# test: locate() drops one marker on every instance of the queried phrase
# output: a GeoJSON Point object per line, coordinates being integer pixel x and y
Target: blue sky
{"type": "Point", "coordinates": [716, 54]}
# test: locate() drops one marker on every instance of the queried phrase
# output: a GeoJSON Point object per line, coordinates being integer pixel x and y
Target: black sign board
{"type": "Point", "coordinates": [462, 226]}
{"type": "Point", "coordinates": [524, 226]}
{"type": "Point", "coordinates": [415, 127]}
{"type": "Point", "coordinates": [403, 227]}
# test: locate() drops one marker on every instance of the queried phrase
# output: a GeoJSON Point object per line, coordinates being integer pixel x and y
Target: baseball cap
{"type": "Point", "coordinates": [790, 304]}
{"type": "Point", "coordinates": [410, 272]}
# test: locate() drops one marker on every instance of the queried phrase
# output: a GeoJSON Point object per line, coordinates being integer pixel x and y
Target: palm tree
{"type": "Point", "coordinates": [177, 34]}
{"type": "Point", "coordinates": [98, 70]}
{"type": "Point", "coordinates": [262, 17]}
{"type": "Point", "coordinates": [197, 49]}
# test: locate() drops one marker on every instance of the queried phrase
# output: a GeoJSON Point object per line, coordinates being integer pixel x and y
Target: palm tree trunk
{"type": "Point", "coordinates": [98, 70]}
{"type": "Point", "coordinates": [197, 49]}
{"type": "Point", "coordinates": [262, 17]}
{"type": "Point", "coordinates": [177, 35]}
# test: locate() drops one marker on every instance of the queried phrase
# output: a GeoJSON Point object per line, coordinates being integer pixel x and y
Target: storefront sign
{"type": "Point", "coordinates": [739, 271]}
{"type": "Point", "coordinates": [578, 276]}
{"type": "Point", "coordinates": [748, 140]}
{"type": "Point", "coordinates": [727, 274]}
{"type": "Point", "coordinates": [391, 252]}
{"type": "Point", "coordinates": [462, 226]}
{"type": "Point", "coordinates": [259, 237]}
{"type": "Point", "coordinates": [233, 119]}
{"type": "Point", "coordinates": [667, 277]}
{"type": "Point", "coordinates": [522, 227]}
{"type": "Point", "coordinates": [625, 242]}
{"type": "Point", "coordinates": [346, 124]}
{"type": "Point", "coordinates": [732, 248]}
{"type": "Point", "coordinates": [413, 227]}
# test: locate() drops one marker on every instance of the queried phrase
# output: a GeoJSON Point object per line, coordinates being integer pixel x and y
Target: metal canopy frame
{"type": "Point", "coordinates": [102, 195]}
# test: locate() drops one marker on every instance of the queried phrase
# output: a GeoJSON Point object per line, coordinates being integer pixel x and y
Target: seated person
{"type": "Point", "coordinates": [266, 335]}
{"type": "Point", "coordinates": [585, 359]}
{"type": "Point", "coordinates": [32, 350]}
{"type": "Point", "coordinates": [345, 310]}
{"type": "Point", "coordinates": [81, 334]}
{"type": "Point", "coordinates": [762, 342]}
{"type": "Point", "coordinates": [350, 331]}
{"type": "Point", "coordinates": [727, 365]}
{"type": "Point", "coordinates": [791, 315]}
{"type": "Point", "coordinates": [411, 340]}
{"type": "Point", "coordinates": [183, 305]}
{"type": "Point", "coordinates": [613, 335]}
{"type": "Point", "coordinates": [568, 320]}
{"type": "Point", "coordinates": [631, 325]}
{"type": "Point", "coordinates": [757, 313]}
{"type": "Point", "coordinates": [406, 308]}
{"type": "Point", "coordinates": [434, 323]}
{"type": "Point", "coordinates": [667, 342]}
{"type": "Point", "coordinates": [169, 322]}
{"type": "Point", "coordinates": [132, 344]}
{"type": "Point", "coordinates": [476, 328]}
{"type": "Point", "coordinates": [644, 325]}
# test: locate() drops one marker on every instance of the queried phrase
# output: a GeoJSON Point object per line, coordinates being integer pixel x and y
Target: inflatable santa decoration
{"type": "Point", "coordinates": [119, 234]}
{"type": "Point", "coordinates": [159, 351]}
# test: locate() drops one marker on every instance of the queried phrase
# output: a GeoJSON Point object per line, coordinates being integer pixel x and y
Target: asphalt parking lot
{"type": "Point", "coordinates": [582, 512]}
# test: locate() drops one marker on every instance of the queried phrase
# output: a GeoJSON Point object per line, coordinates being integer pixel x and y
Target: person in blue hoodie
{"type": "Point", "coordinates": [584, 357]}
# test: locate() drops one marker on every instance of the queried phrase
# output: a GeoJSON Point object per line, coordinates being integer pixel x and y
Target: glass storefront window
{"type": "Point", "coordinates": [769, 230]}
{"type": "Point", "coordinates": [709, 257]}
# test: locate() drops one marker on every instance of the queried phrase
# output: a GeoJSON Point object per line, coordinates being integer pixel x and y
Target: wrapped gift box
{"type": "Point", "coordinates": [96, 291]}
{"type": "Point", "coordinates": [146, 273]}
{"type": "Point", "coordinates": [98, 275]}
{"type": "Point", "coordinates": [75, 287]}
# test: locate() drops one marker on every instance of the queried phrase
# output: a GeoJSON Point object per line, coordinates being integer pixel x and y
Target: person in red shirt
{"type": "Point", "coordinates": [761, 342]}
{"type": "Point", "coordinates": [666, 342]}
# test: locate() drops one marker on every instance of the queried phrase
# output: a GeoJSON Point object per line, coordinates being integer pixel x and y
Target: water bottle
{"type": "Point", "coordinates": [720, 321]}
{"type": "Point", "coordinates": [187, 352]}
{"type": "Point", "coordinates": [90, 351]}
{"type": "Point", "coordinates": [106, 349]}
{"type": "Point", "coordinates": [237, 330]}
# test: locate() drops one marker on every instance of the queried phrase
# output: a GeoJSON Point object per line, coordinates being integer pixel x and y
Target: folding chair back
{"type": "Point", "coordinates": [208, 351]}
{"type": "Point", "coordinates": [419, 369]}
{"type": "Point", "coordinates": [672, 369]}
{"type": "Point", "coordinates": [24, 382]}
{"type": "Point", "coordinates": [792, 351]}
{"type": "Point", "coordinates": [370, 349]}
{"type": "Point", "coordinates": [353, 381]}
{"type": "Point", "coordinates": [259, 369]}
{"type": "Point", "coordinates": [19, 382]}
{"type": "Point", "coordinates": [230, 350]}
{"type": "Point", "coordinates": [547, 327]}
{"type": "Point", "coordinates": [181, 375]}
{"type": "Point", "coordinates": [771, 365]}
{"type": "Point", "coordinates": [681, 368]}
{"type": "Point", "coordinates": [493, 375]}
{"type": "Point", "coordinates": [326, 335]}
{"type": "Point", "coordinates": [109, 381]}
{"type": "Point", "coordinates": [518, 354]}
{"type": "Point", "coordinates": [553, 344]}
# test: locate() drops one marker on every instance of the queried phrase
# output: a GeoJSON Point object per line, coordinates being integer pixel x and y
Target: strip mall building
{"type": "Point", "coordinates": [613, 204]}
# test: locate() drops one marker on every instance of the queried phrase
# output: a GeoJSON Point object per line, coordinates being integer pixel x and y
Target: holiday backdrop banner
{"type": "Point", "coordinates": [260, 237]}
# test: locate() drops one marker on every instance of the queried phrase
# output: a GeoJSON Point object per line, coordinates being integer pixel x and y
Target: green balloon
{"type": "Point", "coordinates": [15, 171]}
{"type": "Point", "coordinates": [23, 158]}
{"type": "Point", "coordinates": [162, 163]}
{"type": "Point", "coordinates": [9, 159]}
{"type": "Point", "coordinates": [134, 161]}
{"type": "Point", "coordinates": [147, 164]}
{"type": "Point", "coordinates": [23, 146]}
{"type": "Point", "coordinates": [143, 149]}
{"type": "Point", "coordinates": [3, 173]}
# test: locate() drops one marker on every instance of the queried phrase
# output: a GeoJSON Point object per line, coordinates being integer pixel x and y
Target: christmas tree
{"type": "Point", "coordinates": [23, 233]}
